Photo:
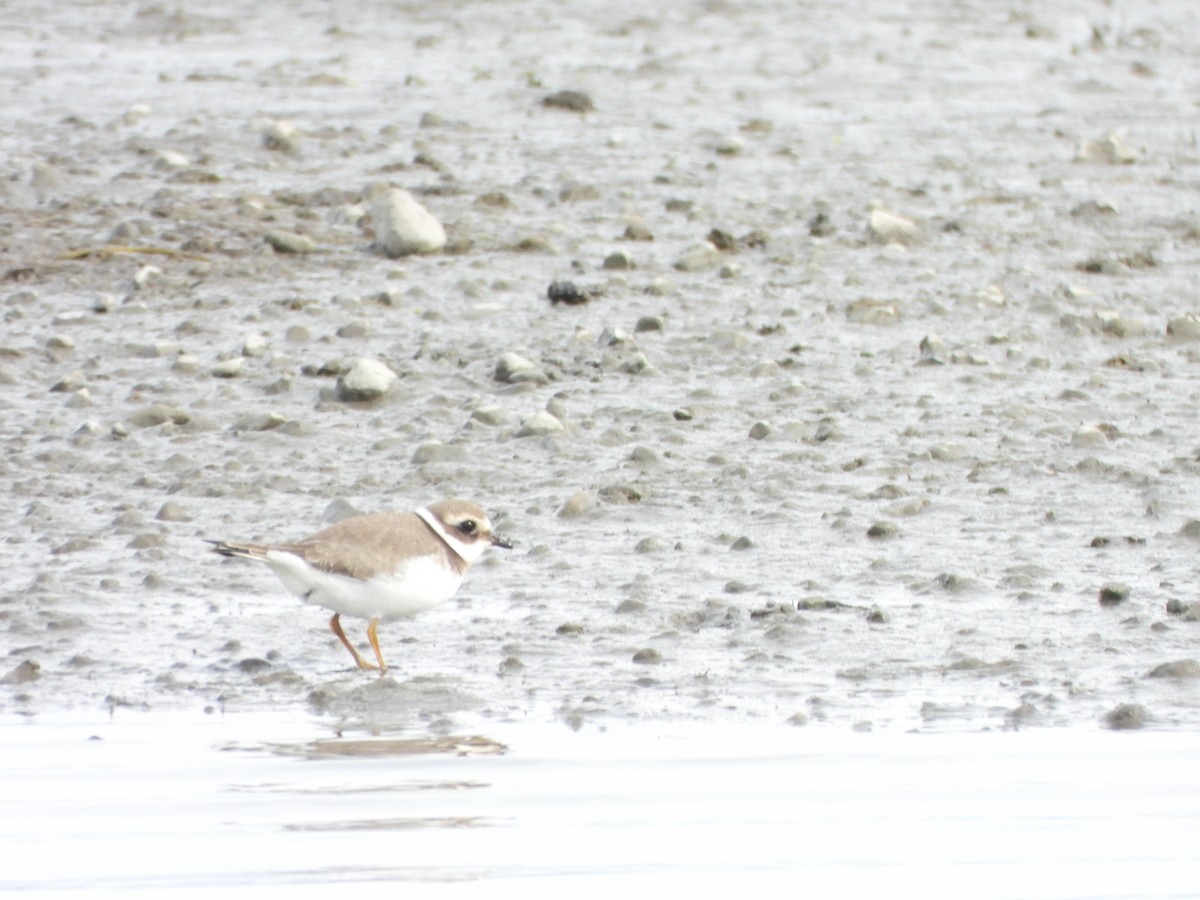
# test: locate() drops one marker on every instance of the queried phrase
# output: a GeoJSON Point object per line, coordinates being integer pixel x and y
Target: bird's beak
{"type": "Point", "coordinates": [498, 541]}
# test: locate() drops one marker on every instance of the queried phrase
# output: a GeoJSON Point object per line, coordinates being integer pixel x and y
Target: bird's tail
{"type": "Point", "coordinates": [231, 548]}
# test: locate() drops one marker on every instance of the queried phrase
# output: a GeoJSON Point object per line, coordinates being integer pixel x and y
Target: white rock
{"type": "Point", "coordinates": [1089, 436]}
{"type": "Point", "coordinates": [540, 424]}
{"type": "Point", "coordinates": [170, 159]}
{"type": "Point", "coordinates": [699, 256]}
{"type": "Point", "coordinates": [512, 368]}
{"type": "Point", "coordinates": [229, 368]}
{"type": "Point", "coordinates": [254, 345]}
{"type": "Point", "coordinates": [1111, 149]}
{"type": "Point", "coordinates": [145, 275]}
{"type": "Point", "coordinates": [889, 228]}
{"type": "Point", "coordinates": [1184, 328]}
{"type": "Point", "coordinates": [403, 226]}
{"type": "Point", "coordinates": [368, 379]}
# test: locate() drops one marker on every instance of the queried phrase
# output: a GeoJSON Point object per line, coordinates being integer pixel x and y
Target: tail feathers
{"type": "Point", "coordinates": [245, 551]}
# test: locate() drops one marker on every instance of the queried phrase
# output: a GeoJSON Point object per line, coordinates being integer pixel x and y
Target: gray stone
{"type": "Point", "coordinates": [1126, 717]}
{"type": "Point", "coordinates": [540, 424]}
{"type": "Point", "coordinates": [1180, 668]}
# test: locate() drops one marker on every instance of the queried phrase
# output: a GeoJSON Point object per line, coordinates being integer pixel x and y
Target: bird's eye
{"type": "Point", "coordinates": [467, 526]}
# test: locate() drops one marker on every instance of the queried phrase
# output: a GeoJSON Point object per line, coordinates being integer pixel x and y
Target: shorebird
{"type": "Point", "coordinates": [379, 567]}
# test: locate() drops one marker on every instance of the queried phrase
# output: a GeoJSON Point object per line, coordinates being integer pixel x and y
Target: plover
{"type": "Point", "coordinates": [379, 567]}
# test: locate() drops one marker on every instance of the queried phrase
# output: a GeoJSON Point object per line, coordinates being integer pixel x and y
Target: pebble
{"type": "Point", "coordinates": [540, 424]}
{"type": "Point", "coordinates": [619, 261]}
{"type": "Point", "coordinates": [882, 529]}
{"type": "Point", "coordinates": [760, 430]}
{"type": "Point", "coordinates": [490, 415]}
{"type": "Point", "coordinates": [1111, 149]}
{"type": "Point", "coordinates": [649, 323]}
{"type": "Point", "coordinates": [289, 242]}
{"type": "Point", "coordinates": [573, 101]}
{"type": "Point", "coordinates": [1089, 436]}
{"type": "Point", "coordinates": [567, 292]}
{"type": "Point", "coordinates": [254, 345]}
{"type": "Point", "coordinates": [436, 451]}
{"type": "Point", "coordinates": [887, 227]}
{"type": "Point", "coordinates": [647, 657]}
{"type": "Point", "coordinates": [578, 504]}
{"type": "Point", "coordinates": [172, 512]}
{"type": "Point", "coordinates": [403, 226]}
{"type": "Point", "coordinates": [1126, 717]}
{"type": "Point", "coordinates": [698, 257]}
{"type": "Point", "coordinates": [1180, 668]}
{"type": "Point", "coordinates": [878, 616]}
{"type": "Point", "coordinates": [229, 368]}
{"type": "Point", "coordinates": [513, 368]}
{"type": "Point", "coordinates": [366, 381]}
{"type": "Point", "coordinates": [279, 134]}
{"type": "Point", "coordinates": [1113, 593]}
{"type": "Point", "coordinates": [1184, 328]}
{"type": "Point", "coordinates": [24, 673]}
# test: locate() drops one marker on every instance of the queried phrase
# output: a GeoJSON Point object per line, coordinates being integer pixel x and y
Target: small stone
{"type": "Point", "coordinates": [436, 451]}
{"type": "Point", "coordinates": [567, 292]}
{"type": "Point", "coordinates": [878, 616]}
{"type": "Point", "coordinates": [60, 342]}
{"type": "Point", "coordinates": [1113, 593]}
{"type": "Point", "coordinates": [490, 415]}
{"type": "Point", "coordinates": [649, 323]}
{"type": "Point", "coordinates": [367, 380]}
{"type": "Point", "coordinates": [172, 512]}
{"type": "Point", "coordinates": [760, 430]}
{"type": "Point", "coordinates": [540, 424]}
{"type": "Point", "coordinates": [683, 414]}
{"type": "Point", "coordinates": [158, 414]}
{"type": "Point", "coordinates": [647, 657]}
{"type": "Point", "coordinates": [1112, 149]}
{"type": "Point", "coordinates": [932, 346]}
{"type": "Point", "coordinates": [289, 242]}
{"type": "Point", "coordinates": [729, 145]}
{"type": "Point", "coordinates": [70, 383]}
{"type": "Point", "coordinates": [637, 232]}
{"type": "Point", "coordinates": [24, 672]}
{"type": "Point", "coordinates": [699, 256]}
{"type": "Point", "coordinates": [280, 135]}
{"type": "Point", "coordinates": [573, 101]}
{"type": "Point", "coordinates": [742, 543]}
{"type": "Point", "coordinates": [1184, 328]}
{"type": "Point", "coordinates": [513, 368]}
{"type": "Point", "coordinates": [889, 228]}
{"type": "Point", "coordinates": [648, 545]}
{"type": "Point", "coordinates": [254, 345]}
{"type": "Point", "coordinates": [1180, 668]}
{"type": "Point", "coordinates": [403, 226]}
{"type": "Point", "coordinates": [569, 629]}
{"type": "Point", "coordinates": [1126, 716]}
{"type": "Point", "coordinates": [619, 261]}
{"type": "Point", "coordinates": [229, 368]}
{"type": "Point", "coordinates": [578, 503]}
{"type": "Point", "coordinates": [882, 530]}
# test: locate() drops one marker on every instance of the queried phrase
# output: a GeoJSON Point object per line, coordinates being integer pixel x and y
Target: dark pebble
{"type": "Point", "coordinates": [567, 292]}
{"type": "Point", "coordinates": [1180, 668]}
{"type": "Point", "coordinates": [647, 657]}
{"type": "Point", "coordinates": [1113, 593]}
{"type": "Point", "coordinates": [575, 101]}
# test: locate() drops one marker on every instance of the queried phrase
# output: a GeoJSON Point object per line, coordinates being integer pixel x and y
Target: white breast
{"type": "Point", "coordinates": [420, 584]}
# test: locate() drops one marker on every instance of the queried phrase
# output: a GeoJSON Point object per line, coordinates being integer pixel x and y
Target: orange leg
{"type": "Point", "coordinates": [335, 626]}
{"type": "Point", "coordinates": [374, 639]}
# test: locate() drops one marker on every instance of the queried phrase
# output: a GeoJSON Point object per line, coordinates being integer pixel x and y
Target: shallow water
{"type": "Point", "coordinates": [255, 804]}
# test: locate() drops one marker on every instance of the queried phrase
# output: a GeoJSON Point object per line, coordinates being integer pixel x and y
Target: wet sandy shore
{"type": "Point", "coordinates": [888, 378]}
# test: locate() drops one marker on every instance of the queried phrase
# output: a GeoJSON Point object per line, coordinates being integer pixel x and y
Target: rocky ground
{"type": "Point", "coordinates": [870, 398]}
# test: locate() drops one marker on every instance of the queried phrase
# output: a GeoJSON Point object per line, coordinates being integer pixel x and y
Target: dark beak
{"type": "Point", "coordinates": [498, 541]}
